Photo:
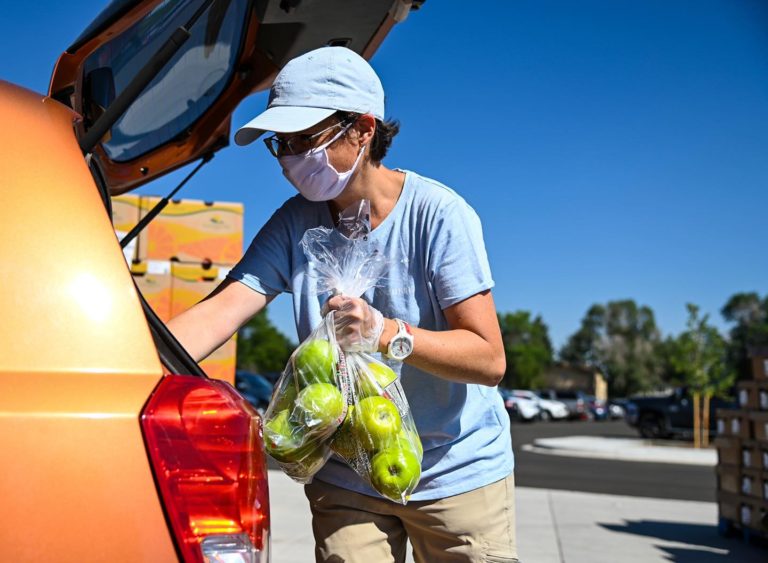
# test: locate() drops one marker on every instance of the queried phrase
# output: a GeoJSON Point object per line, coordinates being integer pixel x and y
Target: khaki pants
{"type": "Point", "coordinates": [477, 526]}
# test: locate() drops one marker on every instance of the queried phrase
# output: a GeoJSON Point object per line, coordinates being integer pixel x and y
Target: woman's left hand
{"type": "Point", "coordinates": [358, 325]}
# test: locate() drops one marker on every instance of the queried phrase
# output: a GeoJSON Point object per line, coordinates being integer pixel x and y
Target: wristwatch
{"type": "Point", "coordinates": [401, 345]}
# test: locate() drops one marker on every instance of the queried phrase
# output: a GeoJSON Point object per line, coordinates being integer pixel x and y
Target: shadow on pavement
{"type": "Point", "coordinates": [704, 543]}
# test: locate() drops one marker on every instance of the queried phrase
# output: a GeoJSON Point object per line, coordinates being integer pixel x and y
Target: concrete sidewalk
{"type": "Point", "coordinates": [559, 527]}
{"type": "Point", "coordinates": [624, 449]}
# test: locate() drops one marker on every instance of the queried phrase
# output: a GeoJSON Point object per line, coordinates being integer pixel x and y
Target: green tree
{"type": "Point", "coordinates": [668, 371]}
{"type": "Point", "coordinates": [261, 347]}
{"type": "Point", "coordinates": [699, 354]}
{"type": "Point", "coordinates": [749, 315]}
{"type": "Point", "coordinates": [527, 348]}
{"type": "Point", "coordinates": [621, 340]}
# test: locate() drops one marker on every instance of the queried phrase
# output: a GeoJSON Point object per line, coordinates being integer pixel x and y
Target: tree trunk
{"type": "Point", "coordinates": [696, 420]}
{"type": "Point", "coordinates": [705, 419]}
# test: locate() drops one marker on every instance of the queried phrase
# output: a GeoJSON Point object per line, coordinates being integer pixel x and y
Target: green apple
{"type": "Point", "coordinates": [285, 395]}
{"type": "Point", "coordinates": [379, 372]}
{"type": "Point", "coordinates": [344, 441]}
{"type": "Point", "coordinates": [283, 440]}
{"type": "Point", "coordinates": [395, 473]}
{"type": "Point", "coordinates": [304, 468]}
{"type": "Point", "coordinates": [409, 440]}
{"type": "Point", "coordinates": [314, 362]}
{"type": "Point", "coordinates": [376, 421]}
{"type": "Point", "coordinates": [319, 406]}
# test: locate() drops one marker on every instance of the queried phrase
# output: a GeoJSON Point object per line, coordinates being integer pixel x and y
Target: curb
{"type": "Point", "coordinates": [634, 453]}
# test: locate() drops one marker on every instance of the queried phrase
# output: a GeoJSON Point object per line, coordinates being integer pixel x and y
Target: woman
{"type": "Point", "coordinates": [434, 312]}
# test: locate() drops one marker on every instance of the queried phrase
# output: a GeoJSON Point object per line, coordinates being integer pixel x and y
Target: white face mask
{"type": "Point", "coordinates": [313, 175]}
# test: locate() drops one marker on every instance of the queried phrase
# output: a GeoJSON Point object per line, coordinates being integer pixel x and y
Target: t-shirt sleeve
{"type": "Point", "coordinates": [458, 263]}
{"type": "Point", "coordinates": [265, 266]}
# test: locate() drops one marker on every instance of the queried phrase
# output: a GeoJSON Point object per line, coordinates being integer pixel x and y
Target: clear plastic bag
{"type": "Point", "coordinates": [378, 438]}
{"type": "Point", "coordinates": [336, 399]}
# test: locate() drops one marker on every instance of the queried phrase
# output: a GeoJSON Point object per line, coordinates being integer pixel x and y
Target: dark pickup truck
{"type": "Point", "coordinates": [669, 416]}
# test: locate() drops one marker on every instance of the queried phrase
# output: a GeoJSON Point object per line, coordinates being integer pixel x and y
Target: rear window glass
{"type": "Point", "coordinates": [188, 85]}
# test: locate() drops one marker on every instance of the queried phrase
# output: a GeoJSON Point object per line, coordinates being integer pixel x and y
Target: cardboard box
{"type": "Point", "coordinates": [760, 425]}
{"type": "Point", "coordinates": [745, 512]}
{"type": "Point", "coordinates": [762, 488]}
{"type": "Point", "coordinates": [125, 216]}
{"type": "Point", "coordinates": [751, 455]}
{"type": "Point", "coordinates": [192, 282]}
{"type": "Point", "coordinates": [193, 231]}
{"type": "Point", "coordinates": [728, 451]}
{"type": "Point", "coordinates": [125, 211]}
{"type": "Point", "coordinates": [759, 357]}
{"type": "Point", "coordinates": [728, 479]}
{"type": "Point", "coordinates": [222, 362]}
{"type": "Point", "coordinates": [153, 279]}
{"type": "Point", "coordinates": [733, 422]}
{"type": "Point", "coordinates": [753, 395]}
{"type": "Point", "coordinates": [750, 483]}
{"type": "Point", "coordinates": [728, 505]}
{"type": "Point", "coordinates": [754, 514]}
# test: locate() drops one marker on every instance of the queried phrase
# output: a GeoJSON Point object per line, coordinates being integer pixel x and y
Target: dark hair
{"type": "Point", "coordinates": [382, 137]}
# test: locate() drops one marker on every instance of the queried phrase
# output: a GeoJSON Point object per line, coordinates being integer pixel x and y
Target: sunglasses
{"type": "Point", "coordinates": [297, 144]}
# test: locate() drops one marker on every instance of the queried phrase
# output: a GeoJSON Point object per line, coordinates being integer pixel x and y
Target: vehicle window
{"type": "Point", "coordinates": [567, 395]}
{"type": "Point", "coordinates": [188, 85]}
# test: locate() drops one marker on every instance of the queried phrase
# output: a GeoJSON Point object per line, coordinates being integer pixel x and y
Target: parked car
{"type": "Point", "coordinates": [115, 445]}
{"type": "Point", "coordinates": [255, 388]}
{"type": "Point", "coordinates": [575, 401]}
{"type": "Point", "coordinates": [520, 408]}
{"type": "Point", "coordinates": [548, 409]}
{"type": "Point", "coordinates": [597, 409]}
{"type": "Point", "coordinates": [669, 415]}
{"type": "Point", "coordinates": [616, 408]}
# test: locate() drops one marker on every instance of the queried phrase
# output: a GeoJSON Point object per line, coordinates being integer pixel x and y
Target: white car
{"type": "Point", "coordinates": [520, 408]}
{"type": "Point", "coordinates": [549, 409]}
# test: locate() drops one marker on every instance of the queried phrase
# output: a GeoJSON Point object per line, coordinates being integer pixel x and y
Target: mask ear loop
{"type": "Point", "coordinates": [329, 143]}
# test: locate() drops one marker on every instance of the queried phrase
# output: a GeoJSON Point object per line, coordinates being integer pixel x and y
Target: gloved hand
{"type": "Point", "coordinates": [358, 325]}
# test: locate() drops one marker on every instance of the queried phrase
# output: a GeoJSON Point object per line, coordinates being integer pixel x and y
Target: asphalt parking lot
{"type": "Point", "coordinates": [657, 480]}
{"type": "Point", "coordinates": [562, 518]}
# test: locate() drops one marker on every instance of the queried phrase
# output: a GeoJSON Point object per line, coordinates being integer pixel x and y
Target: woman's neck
{"type": "Point", "coordinates": [378, 184]}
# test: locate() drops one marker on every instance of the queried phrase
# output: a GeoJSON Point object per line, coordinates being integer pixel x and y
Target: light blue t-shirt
{"type": "Point", "coordinates": [434, 242]}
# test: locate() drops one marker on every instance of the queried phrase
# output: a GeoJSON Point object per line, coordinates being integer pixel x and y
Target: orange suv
{"type": "Point", "coordinates": [114, 445]}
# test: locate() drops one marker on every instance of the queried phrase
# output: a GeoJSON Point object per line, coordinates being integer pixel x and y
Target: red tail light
{"type": "Point", "coordinates": [205, 446]}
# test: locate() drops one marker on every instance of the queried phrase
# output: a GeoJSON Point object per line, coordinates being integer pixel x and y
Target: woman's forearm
{"type": "Point", "coordinates": [209, 324]}
{"type": "Point", "coordinates": [457, 355]}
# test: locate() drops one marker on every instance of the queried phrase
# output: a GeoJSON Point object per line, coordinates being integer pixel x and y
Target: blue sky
{"type": "Point", "coordinates": [612, 149]}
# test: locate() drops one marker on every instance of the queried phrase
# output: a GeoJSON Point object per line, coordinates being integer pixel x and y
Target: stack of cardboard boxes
{"type": "Point", "coordinates": [181, 256]}
{"type": "Point", "coordinates": [742, 447]}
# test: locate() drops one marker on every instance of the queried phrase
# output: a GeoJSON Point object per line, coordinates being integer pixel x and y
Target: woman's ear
{"type": "Point", "coordinates": [365, 127]}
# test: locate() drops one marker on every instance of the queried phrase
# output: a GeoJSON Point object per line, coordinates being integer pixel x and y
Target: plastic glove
{"type": "Point", "coordinates": [358, 325]}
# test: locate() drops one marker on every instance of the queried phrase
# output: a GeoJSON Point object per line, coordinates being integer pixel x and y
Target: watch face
{"type": "Point", "coordinates": [401, 347]}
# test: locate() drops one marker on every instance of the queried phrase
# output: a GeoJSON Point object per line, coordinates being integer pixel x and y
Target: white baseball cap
{"type": "Point", "coordinates": [314, 86]}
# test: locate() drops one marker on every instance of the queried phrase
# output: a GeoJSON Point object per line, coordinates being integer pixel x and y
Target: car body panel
{"type": "Point", "coordinates": [555, 409]}
{"type": "Point", "coordinates": [273, 33]}
{"type": "Point", "coordinates": [61, 258]}
{"type": "Point", "coordinates": [254, 388]}
{"type": "Point", "coordinates": [669, 415]}
{"type": "Point", "coordinates": [75, 470]}
{"type": "Point", "coordinates": [519, 407]}
{"type": "Point", "coordinates": [573, 400]}
{"type": "Point", "coordinates": [78, 360]}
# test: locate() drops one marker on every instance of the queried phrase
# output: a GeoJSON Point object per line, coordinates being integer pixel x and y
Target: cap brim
{"type": "Point", "coordinates": [281, 119]}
